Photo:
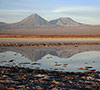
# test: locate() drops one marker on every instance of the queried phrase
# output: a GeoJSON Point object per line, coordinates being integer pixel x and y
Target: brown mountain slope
{"type": "Point", "coordinates": [65, 22]}
{"type": "Point", "coordinates": [2, 23]}
{"type": "Point", "coordinates": [31, 21]}
{"type": "Point", "coordinates": [76, 30]}
{"type": "Point", "coordinates": [36, 25]}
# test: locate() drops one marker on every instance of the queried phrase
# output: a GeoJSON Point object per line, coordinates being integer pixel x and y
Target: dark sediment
{"type": "Point", "coordinates": [47, 44]}
{"type": "Point", "coordinates": [15, 78]}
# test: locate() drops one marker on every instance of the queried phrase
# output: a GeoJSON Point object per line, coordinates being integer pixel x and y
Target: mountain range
{"type": "Point", "coordinates": [36, 25]}
{"type": "Point", "coordinates": [2, 23]}
{"type": "Point", "coordinates": [65, 22]}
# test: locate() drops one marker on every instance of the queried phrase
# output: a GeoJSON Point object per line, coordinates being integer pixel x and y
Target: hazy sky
{"type": "Point", "coordinates": [85, 11]}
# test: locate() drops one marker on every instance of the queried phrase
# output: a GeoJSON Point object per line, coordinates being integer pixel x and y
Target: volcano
{"type": "Point", "coordinates": [33, 20]}
{"type": "Point", "coordinates": [65, 22]}
{"type": "Point", "coordinates": [36, 25]}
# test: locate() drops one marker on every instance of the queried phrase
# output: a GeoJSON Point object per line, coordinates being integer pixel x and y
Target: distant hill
{"type": "Point", "coordinates": [2, 23]}
{"type": "Point", "coordinates": [36, 25]}
{"type": "Point", "coordinates": [65, 22]}
{"type": "Point", "coordinates": [32, 20]}
{"type": "Point", "coordinates": [36, 21]}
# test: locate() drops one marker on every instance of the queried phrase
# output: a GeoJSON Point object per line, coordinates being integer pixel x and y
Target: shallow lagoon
{"type": "Point", "coordinates": [59, 58]}
{"type": "Point", "coordinates": [51, 62]}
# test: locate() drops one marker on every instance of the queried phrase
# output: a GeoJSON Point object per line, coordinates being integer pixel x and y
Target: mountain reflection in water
{"type": "Point", "coordinates": [51, 62]}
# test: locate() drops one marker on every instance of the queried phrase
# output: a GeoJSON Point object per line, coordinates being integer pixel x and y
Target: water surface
{"type": "Point", "coordinates": [51, 62]}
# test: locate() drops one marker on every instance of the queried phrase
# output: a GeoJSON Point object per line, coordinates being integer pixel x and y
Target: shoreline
{"type": "Point", "coordinates": [49, 36]}
{"type": "Point", "coordinates": [45, 44]}
{"type": "Point", "coordinates": [20, 78]}
{"type": "Point", "coordinates": [48, 41]}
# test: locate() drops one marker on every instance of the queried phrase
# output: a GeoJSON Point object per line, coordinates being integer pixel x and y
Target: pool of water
{"type": "Point", "coordinates": [51, 62]}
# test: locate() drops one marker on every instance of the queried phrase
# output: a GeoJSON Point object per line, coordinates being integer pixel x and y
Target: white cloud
{"type": "Point", "coordinates": [83, 14]}
{"type": "Point", "coordinates": [12, 16]}
{"type": "Point", "coordinates": [76, 9]}
{"type": "Point", "coordinates": [15, 11]}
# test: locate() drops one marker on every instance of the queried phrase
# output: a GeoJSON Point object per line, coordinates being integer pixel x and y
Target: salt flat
{"type": "Point", "coordinates": [49, 40]}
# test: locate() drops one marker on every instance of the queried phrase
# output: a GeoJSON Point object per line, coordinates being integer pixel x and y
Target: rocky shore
{"type": "Point", "coordinates": [15, 78]}
{"type": "Point", "coordinates": [48, 44]}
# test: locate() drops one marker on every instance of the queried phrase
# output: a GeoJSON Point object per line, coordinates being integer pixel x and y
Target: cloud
{"type": "Point", "coordinates": [76, 9]}
{"type": "Point", "coordinates": [12, 16]}
{"type": "Point", "coordinates": [83, 14]}
{"type": "Point", "coordinates": [15, 11]}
